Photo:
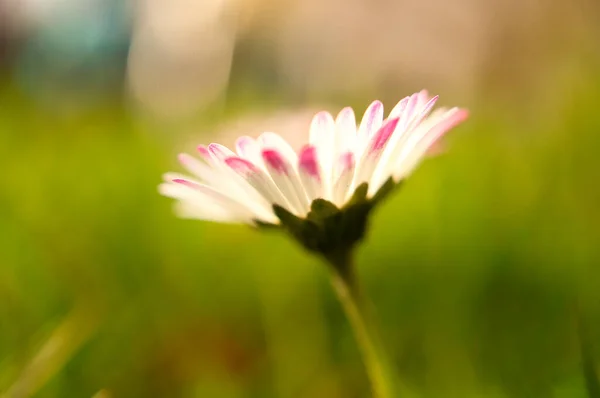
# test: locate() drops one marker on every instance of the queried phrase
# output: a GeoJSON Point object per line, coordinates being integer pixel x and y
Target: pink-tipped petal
{"type": "Point", "coordinates": [257, 179]}
{"type": "Point", "coordinates": [274, 161]}
{"type": "Point", "coordinates": [241, 166]}
{"type": "Point", "coordinates": [187, 183]}
{"type": "Point", "coordinates": [421, 113]}
{"type": "Point", "coordinates": [370, 123]}
{"type": "Point", "coordinates": [241, 209]}
{"type": "Point", "coordinates": [308, 162]}
{"type": "Point", "coordinates": [345, 173]}
{"type": "Point", "coordinates": [411, 156]}
{"type": "Point", "coordinates": [409, 112]}
{"type": "Point", "coordinates": [244, 144]}
{"type": "Point", "coordinates": [345, 131]}
{"type": "Point", "coordinates": [198, 168]}
{"type": "Point", "coordinates": [346, 119]}
{"type": "Point", "coordinates": [322, 136]}
{"type": "Point", "coordinates": [375, 148]}
{"type": "Point", "coordinates": [428, 106]}
{"type": "Point", "coordinates": [403, 136]}
{"type": "Point", "coordinates": [249, 149]}
{"type": "Point", "coordinates": [422, 105]}
{"type": "Point", "coordinates": [207, 212]}
{"type": "Point", "coordinates": [398, 110]}
{"type": "Point", "coordinates": [197, 204]}
{"type": "Point", "coordinates": [456, 117]}
{"type": "Point", "coordinates": [345, 163]}
{"type": "Point", "coordinates": [274, 141]}
{"type": "Point", "coordinates": [310, 172]}
{"type": "Point", "coordinates": [170, 176]}
{"type": "Point", "coordinates": [204, 202]}
{"type": "Point", "coordinates": [322, 128]}
{"type": "Point", "coordinates": [378, 141]}
{"type": "Point", "coordinates": [174, 191]}
{"type": "Point", "coordinates": [286, 179]}
{"type": "Point", "coordinates": [423, 98]}
{"type": "Point", "coordinates": [220, 176]}
{"type": "Point", "coordinates": [220, 152]}
{"type": "Point", "coordinates": [204, 153]}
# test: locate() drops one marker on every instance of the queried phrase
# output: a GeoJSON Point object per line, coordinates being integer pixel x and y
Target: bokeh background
{"type": "Point", "coordinates": [484, 271]}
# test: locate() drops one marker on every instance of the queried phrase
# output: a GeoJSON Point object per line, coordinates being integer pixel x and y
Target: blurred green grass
{"type": "Point", "coordinates": [478, 268]}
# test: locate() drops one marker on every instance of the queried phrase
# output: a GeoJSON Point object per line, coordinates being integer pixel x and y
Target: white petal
{"type": "Point", "coordinates": [310, 172]}
{"type": "Point", "coordinates": [345, 132]}
{"type": "Point", "coordinates": [322, 134]}
{"type": "Point", "coordinates": [344, 175]}
{"type": "Point", "coordinates": [369, 159]}
{"type": "Point", "coordinates": [201, 170]}
{"type": "Point", "coordinates": [409, 112]}
{"type": "Point", "coordinates": [398, 110]}
{"type": "Point", "coordinates": [258, 180]}
{"type": "Point", "coordinates": [190, 191]}
{"type": "Point", "coordinates": [414, 153]}
{"type": "Point", "coordinates": [423, 98]}
{"type": "Point", "coordinates": [231, 182]}
{"type": "Point", "coordinates": [402, 134]}
{"type": "Point", "coordinates": [192, 204]}
{"type": "Point", "coordinates": [206, 212]}
{"type": "Point", "coordinates": [422, 112]}
{"type": "Point", "coordinates": [370, 124]}
{"type": "Point", "coordinates": [219, 152]}
{"type": "Point", "coordinates": [249, 149]}
{"type": "Point", "coordinates": [170, 176]}
{"type": "Point", "coordinates": [286, 178]}
{"type": "Point", "coordinates": [275, 141]}
{"type": "Point", "coordinates": [244, 209]}
{"type": "Point", "coordinates": [176, 191]}
{"type": "Point", "coordinates": [205, 154]}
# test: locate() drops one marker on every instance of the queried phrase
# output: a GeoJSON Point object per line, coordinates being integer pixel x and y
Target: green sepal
{"type": "Point", "coordinates": [383, 192]}
{"type": "Point", "coordinates": [359, 196]}
{"type": "Point", "coordinates": [327, 229]}
{"type": "Point", "coordinates": [306, 231]}
{"type": "Point", "coordinates": [321, 209]}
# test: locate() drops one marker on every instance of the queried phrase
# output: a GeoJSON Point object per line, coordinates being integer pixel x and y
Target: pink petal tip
{"type": "Point", "coordinates": [308, 162]}
{"type": "Point", "coordinates": [383, 135]}
{"type": "Point", "coordinates": [187, 183]}
{"type": "Point", "coordinates": [347, 160]}
{"type": "Point", "coordinates": [274, 159]}
{"type": "Point", "coordinates": [241, 166]}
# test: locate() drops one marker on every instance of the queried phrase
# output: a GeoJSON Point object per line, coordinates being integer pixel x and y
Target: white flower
{"type": "Point", "coordinates": [266, 174]}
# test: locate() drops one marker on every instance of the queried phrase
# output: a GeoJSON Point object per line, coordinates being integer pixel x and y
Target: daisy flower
{"type": "Point", "coordinates": [323, 194]}
{"type": "Point", "coordinates": [341, 172]}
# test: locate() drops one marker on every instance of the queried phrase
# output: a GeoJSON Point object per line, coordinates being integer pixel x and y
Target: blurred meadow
{"type": "Point", "coordinates": [483, 271]}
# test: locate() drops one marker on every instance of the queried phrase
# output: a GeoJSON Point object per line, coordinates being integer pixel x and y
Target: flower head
{"type": "Point", "coordinates": [323, 193]}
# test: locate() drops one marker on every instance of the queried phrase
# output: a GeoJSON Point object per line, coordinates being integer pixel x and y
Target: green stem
{"type": "Point", "coordinates": [346, 287]}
